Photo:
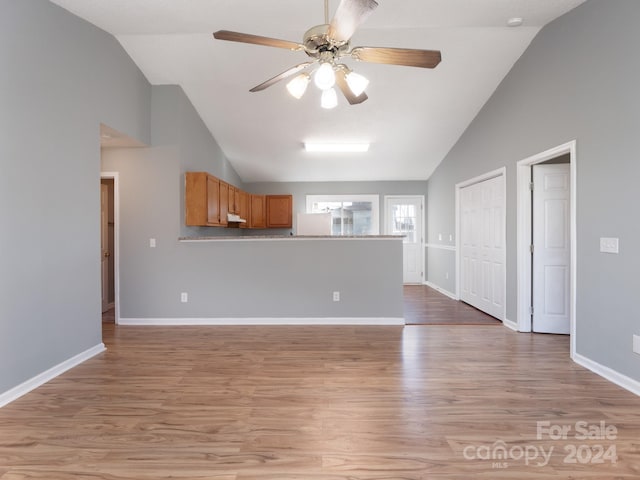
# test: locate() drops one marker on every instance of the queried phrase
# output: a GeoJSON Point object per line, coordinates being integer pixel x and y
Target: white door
{"type": "Point", "coordinates": [404, 217]}
{"type": "Point", "coordinates": [104, 244]}
{"type": "Point", "coordinates": [482, 249]}
{"type": "Point", "coordinates": [551, 248]}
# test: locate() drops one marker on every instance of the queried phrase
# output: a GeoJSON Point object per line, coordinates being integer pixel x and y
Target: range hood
{"type": "Point", "coordinates": [233, 218]}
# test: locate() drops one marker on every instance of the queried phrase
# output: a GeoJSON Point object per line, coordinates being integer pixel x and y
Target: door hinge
{"type": "Point", "coordinates": [531, 309]}
{"type": "Point", "coordinates": [531, 186]}
{"type": "Point", "coordinates": [531, 248]}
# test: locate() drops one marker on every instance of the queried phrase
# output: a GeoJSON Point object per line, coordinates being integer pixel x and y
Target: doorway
{"type": "Point", "coordinates": [528, 229]}
{"type": "Point", "coordinates": [404, 215]}
{"type": "Point", "coordinates": [551, 248]}
{"type": "Point", "coordinates": [109, 245]}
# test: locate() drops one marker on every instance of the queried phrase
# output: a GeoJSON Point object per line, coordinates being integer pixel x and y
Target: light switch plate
{"type": "Point", "coordinates": [152, 243]}
{"type": "Point", "coordinates": [609, 245]}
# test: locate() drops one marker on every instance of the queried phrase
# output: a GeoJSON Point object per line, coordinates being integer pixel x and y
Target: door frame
{"type": "Point", "coordinates": [116, 235]}
{"type": "Point", "coordinates": [524, 231]}
{"type": "Point", "coordinates": [499, 172]}
{"type": "Point", "coordinates": [387, 199]}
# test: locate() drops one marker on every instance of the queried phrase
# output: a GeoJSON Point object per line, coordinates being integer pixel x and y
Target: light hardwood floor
{"type": "Point", "coordinates": [317, 403]}
{"type": "Point", "coordinates": [426, 306]}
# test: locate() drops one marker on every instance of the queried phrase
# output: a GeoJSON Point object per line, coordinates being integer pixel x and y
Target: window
{"type": "Point", "coordinates": [350, 214]}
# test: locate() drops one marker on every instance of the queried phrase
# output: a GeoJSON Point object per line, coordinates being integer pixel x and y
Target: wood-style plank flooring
{"type": "Point", "coordinates": [425, 306]}
{"type": "Point", "coordinates": [320, 403]}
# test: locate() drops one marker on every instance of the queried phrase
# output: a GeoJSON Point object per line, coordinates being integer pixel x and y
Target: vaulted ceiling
{"type": "Point", "coordinates": [412, 118]}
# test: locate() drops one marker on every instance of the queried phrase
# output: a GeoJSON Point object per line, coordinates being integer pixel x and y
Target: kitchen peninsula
{"type": "Point", "coordinates": [284, 280]}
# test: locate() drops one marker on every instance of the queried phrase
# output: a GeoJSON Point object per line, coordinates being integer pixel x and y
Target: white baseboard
{"type": "Point", "coordinates": [613, 376]}
{"type": "Point", "coordinates": [42, 378]}
{"type": "Point", "coordinates": [453, 296]}
{"type": "Point", "coordinates": [263, 321]}
{"type": "Point", "coordinates": [510, 324]}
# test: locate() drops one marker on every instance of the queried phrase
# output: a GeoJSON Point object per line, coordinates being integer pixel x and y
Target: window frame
{"type": "Point", "coordinates": [372, 198]}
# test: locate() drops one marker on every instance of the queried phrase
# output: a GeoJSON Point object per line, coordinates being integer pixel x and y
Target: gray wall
{"type": "Point", "coordinates": [578, 80]}
{"type": "Point", "coordinates": [176, 125]}
{"type": "Point", "coordinates": [61, 77]}
{"type": "Point", "coordinates": [300, 190]}
{"type": "Point", "coordinates": [287, 278]}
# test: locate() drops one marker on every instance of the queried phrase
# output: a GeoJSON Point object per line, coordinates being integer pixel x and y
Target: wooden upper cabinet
{"type": "Point", "coordinates": [279, 211]}
{"type": "Point", "coordinates": [224, 202]}
{"type": "Point", "coordinates": [208, 200]}
{"type": "Point", "coordinates": [234, 199]}
{"type": "Point", "coordinates": [243, 207]}
{"type": "Point", "coordinates": [257, 217]}
{"type": "Point", "coordinates": [201, 199]}
{"type": "Point", "coordinates": [213, 200]}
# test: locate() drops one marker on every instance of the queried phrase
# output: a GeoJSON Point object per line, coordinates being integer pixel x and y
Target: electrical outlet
{"type": "Point", "coordinates": [446, 275]}
{"type": "Point", "coordinates": [184, 297]}
{"type": "Point", "coordinates": [636, 344]}
{"type": "Point", "coordinates": [336, 296]}
{"type": "Point", "coordinates": [450, 238]}
{"type": "Point", "coordinates": [439, 237]}
{"type": "Point", "coordinates": [152, 243]}
{"type": "Point", "coordinates": [609, 245]}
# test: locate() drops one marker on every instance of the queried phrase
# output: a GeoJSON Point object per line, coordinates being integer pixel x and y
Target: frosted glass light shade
{"type": "Point", "coordinates": [357, 83]}
{"type": "Point", "coordinates": [298, 85]}
{"type": "Point", "coordinates": [325, 77]}
{"type": "Point", "coordinates": [329, 98]}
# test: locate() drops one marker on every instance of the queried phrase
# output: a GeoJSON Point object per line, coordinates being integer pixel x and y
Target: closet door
{"type": "Point", "coordinates": [482, 249]}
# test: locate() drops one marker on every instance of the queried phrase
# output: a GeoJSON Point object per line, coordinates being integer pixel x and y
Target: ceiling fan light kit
{"type": "Point", "coordinates": [324, 77]}
{"type": "Point", "coordinates": [327, 44]}
{"type": "Point", "coordinates": [298, 85]}
{"type": "Point", "coordinates": [329, 98]}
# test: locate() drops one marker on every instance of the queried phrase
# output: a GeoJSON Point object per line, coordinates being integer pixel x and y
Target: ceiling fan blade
{"type": "Point", "coordinates": [282, 76]}
{"type": "Point", "coordinates": [341, 80]}
{"type": "Point", "coordinates": [349, 16]}
{"type": "Point", "coordinates": [256, 40]}
{"type": "Point", "coordinates": [398, 56]}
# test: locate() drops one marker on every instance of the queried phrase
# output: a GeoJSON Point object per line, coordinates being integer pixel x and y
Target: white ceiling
{"type": "Point", "coordinates": [412, 118]}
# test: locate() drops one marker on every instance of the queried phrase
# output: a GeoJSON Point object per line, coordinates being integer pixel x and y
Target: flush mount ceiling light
{"type": "Point", "coordinates": [514, 22]}
{"type": "Point", "coordinates": [327, 45]}
{"type": "Point", "coordinates": [336, 147]}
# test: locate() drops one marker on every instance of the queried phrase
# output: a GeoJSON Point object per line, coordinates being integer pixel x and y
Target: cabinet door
{"type": "Point", "coordinates": [224, 202]}
{"type": "Point", "coordinates": [195, 198]}
{"type": "Point", "coordinates": [257, 213]}
{"type": "Point", "coordinates": [213, 200]}
{"type": "Point", "coordinates": [279, 211]}
{"type": "Point", "coordinates": [234, 203]}
{"type": "Point", "coordinates": [243, 210]}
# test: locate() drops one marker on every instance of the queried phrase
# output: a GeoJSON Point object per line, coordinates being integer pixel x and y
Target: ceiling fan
{"type": "Point", "coordinates": [327, 45]}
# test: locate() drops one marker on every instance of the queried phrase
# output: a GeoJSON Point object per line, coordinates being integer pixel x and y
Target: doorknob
{"type": "Point", "coordinates": [107, 254]}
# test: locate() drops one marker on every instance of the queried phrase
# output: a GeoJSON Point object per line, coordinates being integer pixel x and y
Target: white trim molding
{"type": "Point", "coordinates": [441, 290]}
{"type": "Point", "coordinates": [42, 378]}
{"type": "Point", "coordinates": [523, 228]}
{"type": "Point", "coordinates": [510, 324]}
{"type": "Point", "coordinates": [265, 321]}
{"type": "Point", "coordinates": [441, 247]}
{"type": "Point", "coordinates": [609, 374]}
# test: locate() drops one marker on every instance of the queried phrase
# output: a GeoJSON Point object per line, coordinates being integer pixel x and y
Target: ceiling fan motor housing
{"type": "Point", "coordinates": [317, 43]}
